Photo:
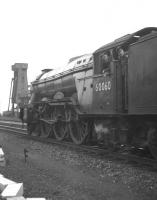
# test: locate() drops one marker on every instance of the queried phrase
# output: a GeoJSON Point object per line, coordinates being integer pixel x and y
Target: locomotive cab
{"type": "Point", "coordinates": [111, 65]}
{"type": "Point", "coordinates": [103, 83]}
{"type": "Point", "coordinates": [110, 75]}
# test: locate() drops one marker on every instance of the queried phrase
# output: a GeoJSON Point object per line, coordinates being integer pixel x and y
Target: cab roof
{"type": "Point", "coordinates": [127, 39]}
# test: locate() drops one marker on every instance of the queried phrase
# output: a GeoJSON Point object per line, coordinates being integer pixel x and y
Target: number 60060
{"type": "Point", "coordinates": [103, 86]}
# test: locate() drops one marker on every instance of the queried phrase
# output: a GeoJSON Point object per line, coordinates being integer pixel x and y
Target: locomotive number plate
{"type": "Point", "coordinates": [103, 86]}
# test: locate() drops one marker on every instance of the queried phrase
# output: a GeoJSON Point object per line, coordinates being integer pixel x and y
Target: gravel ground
{"type": "Point", "coordinates": [59, 173]}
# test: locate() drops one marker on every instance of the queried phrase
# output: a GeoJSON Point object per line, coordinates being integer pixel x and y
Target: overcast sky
{"type": "Point", "coordinates": [46, 33]}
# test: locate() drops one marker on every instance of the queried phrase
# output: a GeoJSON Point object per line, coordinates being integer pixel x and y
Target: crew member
{"type": "Point", "coordinates": [22, 115]}
{"type": "Point", "coordinates": [105, 63]}
{"type": "Point", "coordinates": [123, 60]}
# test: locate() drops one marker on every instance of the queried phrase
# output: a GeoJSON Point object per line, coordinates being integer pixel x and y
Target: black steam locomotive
{"type": "Point", "coordinates": [109, 97]}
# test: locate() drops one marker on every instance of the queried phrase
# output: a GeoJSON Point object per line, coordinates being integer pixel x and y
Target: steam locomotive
{"type": "Point", "coordinates": [109, 97]}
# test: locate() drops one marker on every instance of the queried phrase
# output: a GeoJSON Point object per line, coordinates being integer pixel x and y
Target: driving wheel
{"type": "Point", "coordinates": [78, 128]}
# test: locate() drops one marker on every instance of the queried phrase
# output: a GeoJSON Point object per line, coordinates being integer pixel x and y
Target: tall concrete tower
{"type": "Point", "coordinates": [19, 88]}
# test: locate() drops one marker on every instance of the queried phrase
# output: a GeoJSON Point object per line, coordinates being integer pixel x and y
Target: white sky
{"type": "Point", "coordinates": [46, 33]}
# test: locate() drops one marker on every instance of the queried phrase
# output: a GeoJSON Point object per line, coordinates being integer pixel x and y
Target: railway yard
{"type": "Point", "coordinates": [86, 130]}
{"type": "Point", "coordinates": [75, 172]}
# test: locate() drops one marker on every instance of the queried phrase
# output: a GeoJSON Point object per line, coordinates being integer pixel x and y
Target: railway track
{"type": "Point", "coordinates": [122, 155]}
{"type": "Point", "coordinates": [16, 128]}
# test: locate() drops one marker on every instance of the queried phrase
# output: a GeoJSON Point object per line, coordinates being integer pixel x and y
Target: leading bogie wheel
{"type": "Point", "coordinates": [60, 128]}
{"type": "Point", "coordinates": [46, 130]}
{"type": "Point", "coordinates": [34, 129]}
